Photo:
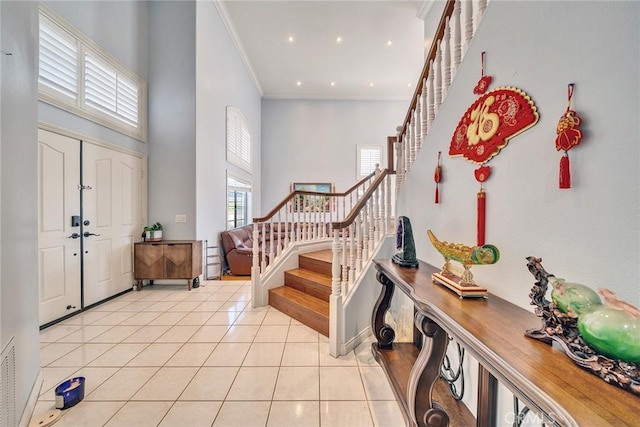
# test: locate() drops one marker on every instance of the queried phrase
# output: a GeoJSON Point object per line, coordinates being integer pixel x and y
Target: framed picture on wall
{"type": "Point", "coordinates": [312, 203]}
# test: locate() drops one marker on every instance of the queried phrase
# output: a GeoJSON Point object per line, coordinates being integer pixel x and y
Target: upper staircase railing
{"type": "Point", "coordinates": [455, 31]}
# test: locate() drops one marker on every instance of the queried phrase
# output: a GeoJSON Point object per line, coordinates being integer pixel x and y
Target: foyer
{"type": "Point", "coordinates": [168, 357]}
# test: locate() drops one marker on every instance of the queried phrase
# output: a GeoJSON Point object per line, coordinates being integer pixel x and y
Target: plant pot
{"type": "Point", "coordinates": [154, 236]}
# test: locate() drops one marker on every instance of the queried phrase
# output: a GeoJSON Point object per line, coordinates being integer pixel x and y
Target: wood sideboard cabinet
{"type": "Point", "coordinates": [168, 259]}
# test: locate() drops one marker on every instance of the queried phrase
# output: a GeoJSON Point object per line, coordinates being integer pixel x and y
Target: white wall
{"type": "Point", "coordinates": [315, 141]}
{"type": "Point", "coordinates": [18, 193]}
{"type": "Point", "coordinates": [588, 234]}
{"type": "Point", "coordinates": [172, 116]}
{"type": "Point", "coordinates": [221, 81]}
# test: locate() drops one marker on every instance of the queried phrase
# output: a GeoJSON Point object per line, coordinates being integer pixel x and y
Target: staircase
{"type": "Point", "coordinates": [306, 291]}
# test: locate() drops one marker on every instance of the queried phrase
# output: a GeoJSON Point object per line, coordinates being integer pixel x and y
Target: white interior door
{"type": "Point", "coordinates": [58, 242]}
{"type": "Point", "coordinates": [112, 217]}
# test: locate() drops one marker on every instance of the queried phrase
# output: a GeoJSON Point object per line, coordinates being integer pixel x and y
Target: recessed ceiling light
{"type": "Point", "coordinates": [389, 42]}
{"type": "Point", "coordinates": [291, 39]}
{"type": "Point", "coordinates": [371, 84]}
{"type": "Point", "coordinates": [339, 39]}
{"type": "Point", "coordinates": [333, 83]}
{"type": "Point", "coordinates": [298, 83]}
{"type": "Point", "coordinates": [408, 84]}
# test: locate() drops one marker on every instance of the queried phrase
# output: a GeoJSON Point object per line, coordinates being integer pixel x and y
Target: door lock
{"type": "Point", "coordinates": [69, 307]}
{"type": "Point", "coordinates": [74, 236]}
{"type": "Point", "coordinates": [87, 234]}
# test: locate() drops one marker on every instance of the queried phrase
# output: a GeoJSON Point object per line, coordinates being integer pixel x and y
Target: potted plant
{"type": "Point", "coordinates": [153, 232]}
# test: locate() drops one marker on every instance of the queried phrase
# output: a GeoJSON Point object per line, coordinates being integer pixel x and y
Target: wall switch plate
{"type": "Point", "coordinates": [181, 218]}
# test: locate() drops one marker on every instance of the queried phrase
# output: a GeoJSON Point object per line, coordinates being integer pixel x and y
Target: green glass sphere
{"type": "Point", "coordinates": [573, 298]}
{"type": "Point", "coordinates": [612, 332]}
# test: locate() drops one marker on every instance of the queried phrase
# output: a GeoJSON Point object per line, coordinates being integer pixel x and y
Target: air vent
{"type": "Point", "coordinates": [8, 389]}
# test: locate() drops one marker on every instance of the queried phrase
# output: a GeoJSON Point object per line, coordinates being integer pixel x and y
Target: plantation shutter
{"type": "Point", "coordinates": [58, 58]}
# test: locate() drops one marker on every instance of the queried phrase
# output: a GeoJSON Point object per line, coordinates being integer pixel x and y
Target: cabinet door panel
{"type": "Point", "coordinates": [149, 261]}
{"type": "Point", "coordinates": [177, 261]}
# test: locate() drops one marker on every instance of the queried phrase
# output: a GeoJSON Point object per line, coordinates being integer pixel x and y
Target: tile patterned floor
{"type": "Point", "coordinates": [165, 356]}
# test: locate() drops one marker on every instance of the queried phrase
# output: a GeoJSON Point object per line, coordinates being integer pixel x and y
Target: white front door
{"type": "Point", "coordinates": [58, 240]}
{"type": "Point", "coordinates": [112, 216]}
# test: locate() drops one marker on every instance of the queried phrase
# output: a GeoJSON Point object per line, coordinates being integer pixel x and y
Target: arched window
{"type": "Point", "coordinates": [239, 141]}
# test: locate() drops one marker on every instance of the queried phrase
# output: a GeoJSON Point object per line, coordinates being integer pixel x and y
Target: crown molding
{"type": "Point", "coordinates": [224, 15]}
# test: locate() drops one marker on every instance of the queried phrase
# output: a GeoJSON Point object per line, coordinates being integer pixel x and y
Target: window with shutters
{"type": "Point", "coordinates": [368, 157]}
{"type": "Point", "coordinates": [239, 141]}
{"type": "Point", "coordinates": [79, 76]}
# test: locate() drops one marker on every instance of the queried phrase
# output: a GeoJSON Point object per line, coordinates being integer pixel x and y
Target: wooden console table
{"type": "Point", "coordinates": [492, 331]}
{"type": "Point", "coordinates": [167, 259]}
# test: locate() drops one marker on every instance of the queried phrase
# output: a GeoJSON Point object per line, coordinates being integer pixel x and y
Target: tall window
{"type": "Point", "coordinates": [238, 202]}
{"type": "Point", "coordinates": [368, 157]}
{"type": "Point", "coordinates": [79, 76]}
{"type": "Point", "coordinates": [239, 141]}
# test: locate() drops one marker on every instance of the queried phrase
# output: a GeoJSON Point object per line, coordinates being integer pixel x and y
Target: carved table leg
{"type": "Point", "coordinates": [424, 374]}
{"type": "Point", "coordinates": [383, 332]}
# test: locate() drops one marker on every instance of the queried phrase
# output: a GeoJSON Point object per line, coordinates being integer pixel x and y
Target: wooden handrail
{"type": "Point", "coordinates": [355, 211]}
{"type": "Point", "coordinates": [310, 193]}
{"type": "Point", "coordinates": [448, 11]}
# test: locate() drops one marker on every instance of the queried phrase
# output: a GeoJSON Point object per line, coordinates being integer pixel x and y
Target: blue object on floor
{"type": "Point", "coordinates": [70, 392]}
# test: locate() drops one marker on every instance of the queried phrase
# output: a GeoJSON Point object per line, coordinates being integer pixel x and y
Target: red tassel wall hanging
{"type": "Point", "coordinates": [569, 135]}
{"type": "Point", "coordinates": [437, 176]}
{"type": "Point", "coordinates": [485, 129]}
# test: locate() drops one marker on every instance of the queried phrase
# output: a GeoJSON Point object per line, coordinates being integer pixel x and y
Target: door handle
{"type": "Point", "coordinates": [87, 234]}
{"type": "Point", "coordinates": [74, 236]}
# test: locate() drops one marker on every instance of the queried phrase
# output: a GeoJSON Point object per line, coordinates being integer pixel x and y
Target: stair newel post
{"type": "Point", "coordinates": [387, 220]}
{"type": "Point", "coordinates": [468, 23]}
{"type": "Point", "coordinates": [257, 297]}
{"type": "Point", "coordinates": [457, 36]}
{"type": "Point", "coordinates": [431, 97]}
{"type": "Point", "coordinates": [437, 67]}
{"type": "Point", "coordinates": [424, 111]}
{"type": "Point", "coordinates": [446, 40]}
{"type": "Point", "coordinates": [335, 300]}
{"type": "Point", "coordinates": [399, 160]}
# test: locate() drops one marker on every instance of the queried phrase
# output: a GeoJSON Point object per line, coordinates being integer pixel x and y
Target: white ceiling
{"type": "Point", "coordinates": [362, 66]}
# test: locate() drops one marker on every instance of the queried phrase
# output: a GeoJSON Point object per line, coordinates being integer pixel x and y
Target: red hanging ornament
{"type": "Point", "coordinates": [482, 174]}
{"type": "Point", "coordinates": [568, 137]}
{"type": "Point", "coordinates": [437, 176]}
{"type": "Point", "coordinates": [484, 82]}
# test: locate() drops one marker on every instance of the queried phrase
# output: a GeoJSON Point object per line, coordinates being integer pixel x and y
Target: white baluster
{"type": "Point", "coordinates": [418, 125]}
{"type": "Point", "coordinates": [408, 149]}
{"type": "Point", "coordinates": [437, 67]}
{"type": "Point", "coordinates": [365, 232]}
{"type": "Point", "coordinates": [271, 241]}
{"type": "Point", "coordinates": [388, 222]}
{"type": "Point", "coordinates": [279, 234]}
{"type": "Point", "coordinates": [482, 6]}
{"type": "Point", "coordinates": [431, 96]}
{"type": "Point", "coordinates": [468, 23]}
{"type": "Point", "coordinates": [414, 141]}
{"type": "Point", "coordinates": [399, 165]}
{"type": "Point", "coordinates": [457, 37]}
{"type": "Point", "coordinates": [446, 54]}
{"type": "Point", "coordinates": [375, 205]}
{"type": "Point", "coordinates": [263, 255]}
{"type": "Point", "coordinates": [359, 242]}
{"type": "Point", "coordinates": [371, 230]}
{"type": "Point", "coordinates": [345, 266]}
{"type": "Point", "coordinates": [352, 254]}
{"type": "Point", "coordinates": [425, 113]}
{"type": "Point", "coordinates": [383, 207]}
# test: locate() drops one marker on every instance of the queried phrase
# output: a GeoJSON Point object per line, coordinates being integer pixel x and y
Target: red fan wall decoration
{"type": "Point", "coordinates": [486, 128]}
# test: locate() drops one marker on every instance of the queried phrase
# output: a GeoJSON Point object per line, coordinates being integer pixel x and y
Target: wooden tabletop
{"type": "Point", "coordinates": [492, 330]}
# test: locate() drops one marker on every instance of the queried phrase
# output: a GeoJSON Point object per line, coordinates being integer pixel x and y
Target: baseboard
{"type": "Point", "coordinates": [33, 399]}
{"type": "Point", "coordinates": [354, 342]}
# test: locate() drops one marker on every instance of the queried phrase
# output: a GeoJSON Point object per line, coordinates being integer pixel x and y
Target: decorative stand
{"type": "Point", "coordinates": [563, 329]}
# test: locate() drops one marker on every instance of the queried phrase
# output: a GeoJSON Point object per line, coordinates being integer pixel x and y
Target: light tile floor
{"type": "Point", "coordinates": [165, 356]}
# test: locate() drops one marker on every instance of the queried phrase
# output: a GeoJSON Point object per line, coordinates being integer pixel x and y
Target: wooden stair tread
{"type": "Point", "coordinates": [325, 255]}
{"type": "Point", "coordinates": [316, 277]}
{"type": "Point", "coordinates": [295, 296]}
